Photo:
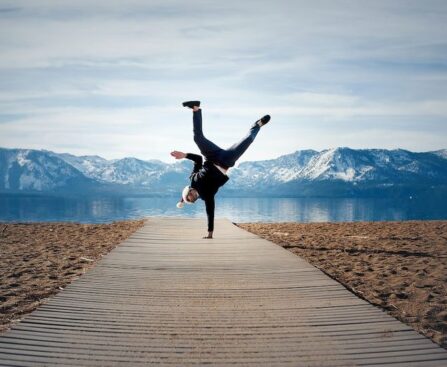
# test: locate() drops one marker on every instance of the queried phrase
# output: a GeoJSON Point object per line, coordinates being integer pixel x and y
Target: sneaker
{"type": "Point", "coordinates": [263, 120]}
{"type": "Point", "coordinates": [191, 104]}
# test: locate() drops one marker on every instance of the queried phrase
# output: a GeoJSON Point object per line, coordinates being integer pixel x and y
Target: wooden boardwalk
{"type": "Point", "coordinates": [167, 297]}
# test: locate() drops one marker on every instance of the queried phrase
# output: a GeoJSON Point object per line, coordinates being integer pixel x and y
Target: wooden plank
{"type": "Point", "coordinates": [167, 297]}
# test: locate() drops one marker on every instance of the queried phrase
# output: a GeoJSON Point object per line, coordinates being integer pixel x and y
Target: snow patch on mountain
{"type": "Point", "coordinates": [21, 158]}
{"type": "Point", "coordinates": [441, 153]}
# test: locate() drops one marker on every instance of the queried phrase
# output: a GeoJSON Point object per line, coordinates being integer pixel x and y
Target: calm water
{"type": "Point", "coordinates": [20, 208]}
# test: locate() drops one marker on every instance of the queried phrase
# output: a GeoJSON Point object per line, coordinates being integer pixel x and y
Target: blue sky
{"type": "Point", "coordinates": [108, 77]}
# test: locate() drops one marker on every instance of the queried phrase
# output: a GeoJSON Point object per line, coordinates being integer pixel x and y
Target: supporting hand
{"type": "Point", "coordinates": [210, 235]}
{"type": "Point", "coordinates": [178, 155]}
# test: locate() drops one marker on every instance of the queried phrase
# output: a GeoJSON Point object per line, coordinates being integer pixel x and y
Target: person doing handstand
{"type": "Point", "coordinates": [207, 177]}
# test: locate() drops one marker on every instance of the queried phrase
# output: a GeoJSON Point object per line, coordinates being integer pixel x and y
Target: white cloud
{"type": "Point", "coordinates": [108, 77]}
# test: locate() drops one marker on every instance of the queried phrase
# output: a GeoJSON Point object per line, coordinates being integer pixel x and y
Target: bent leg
{"type": "Point", "coordinates": [210, 150]}
{"type": "Point", "coordinates": [233, 153]}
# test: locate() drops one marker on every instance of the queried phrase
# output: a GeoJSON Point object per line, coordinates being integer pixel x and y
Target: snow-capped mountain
{"type": "Point", "coordinates": [120, 171]}
{"type": "Point", "coordinates": [42, 171]}
{"type": "Point", "coordinates": [283, 169]}
{"type": "Point", "coordinates": [347, 165]}
{"type": "Point", "coordinates": [33, 170]}
{"type": "Point", "coordinates": [339, 171]}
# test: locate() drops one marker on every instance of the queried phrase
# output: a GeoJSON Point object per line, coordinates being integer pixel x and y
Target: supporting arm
{"type": "Point", "coordinates": [210, 206]}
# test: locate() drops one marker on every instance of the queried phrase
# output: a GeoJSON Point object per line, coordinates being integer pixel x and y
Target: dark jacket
{"type": "Point", "coordinates": [206, 178]}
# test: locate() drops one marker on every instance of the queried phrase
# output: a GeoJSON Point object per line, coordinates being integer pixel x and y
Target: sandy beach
{"type": "Point", "coordinates": [398, 266]}
{"type": "Point", "coordinates": [37, 260]}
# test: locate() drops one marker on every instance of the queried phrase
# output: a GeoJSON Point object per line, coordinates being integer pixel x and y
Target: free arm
{"type": "Point", "coordinates": [197, 159]}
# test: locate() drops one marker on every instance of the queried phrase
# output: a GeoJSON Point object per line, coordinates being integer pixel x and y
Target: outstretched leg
{"type": "Point", "coordinates": [233, 153]}
{"type": "Point", "coordinates": [210, 150]}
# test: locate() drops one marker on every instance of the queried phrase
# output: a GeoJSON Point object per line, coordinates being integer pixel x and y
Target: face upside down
{"type": "Point", "coordinates": [193, 195]}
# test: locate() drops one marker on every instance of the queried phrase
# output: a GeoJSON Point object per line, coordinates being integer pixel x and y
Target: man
{"type": "Point", "coordinates": [207, 177]}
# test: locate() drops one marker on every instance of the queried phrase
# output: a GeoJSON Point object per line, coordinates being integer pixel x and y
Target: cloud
{"type": "Point", "coordinates": [103, 77]}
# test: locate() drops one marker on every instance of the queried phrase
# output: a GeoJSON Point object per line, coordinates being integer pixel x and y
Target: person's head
{"type": "Point", "coordinates": [193, 195]}
{"type": "Point", "coordinates": [190, 195]}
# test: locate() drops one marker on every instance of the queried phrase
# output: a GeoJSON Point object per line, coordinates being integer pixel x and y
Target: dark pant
{"type": "Point", "coordinates": [223, 157]}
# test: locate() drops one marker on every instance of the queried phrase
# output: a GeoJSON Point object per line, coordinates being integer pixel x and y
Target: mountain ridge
{"type": "Point", "coordinates": [330, 172]}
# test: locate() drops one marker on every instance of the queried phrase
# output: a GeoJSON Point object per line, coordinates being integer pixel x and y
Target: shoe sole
{"type": "Point", "coordinates": [191, 104]}
{"type": "Point", "coordinates": [262, 122]}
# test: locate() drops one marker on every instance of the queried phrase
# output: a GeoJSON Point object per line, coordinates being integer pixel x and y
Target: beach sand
{"type": "Point", "coordinates": [37, 260]}
{"type": "Point", "coordinates": [398, 266]}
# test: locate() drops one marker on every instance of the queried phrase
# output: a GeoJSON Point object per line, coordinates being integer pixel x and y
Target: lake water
{"type": "Point", "coordinates": [105, 209]}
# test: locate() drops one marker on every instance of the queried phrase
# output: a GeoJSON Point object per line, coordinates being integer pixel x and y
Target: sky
{"type": "Point", "coordinates": [108, 77]}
